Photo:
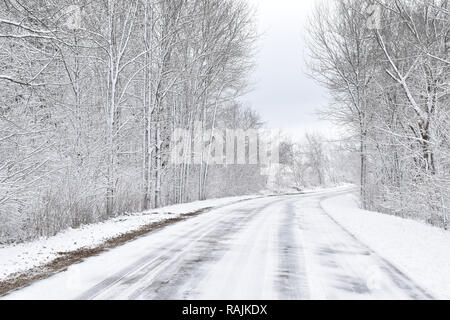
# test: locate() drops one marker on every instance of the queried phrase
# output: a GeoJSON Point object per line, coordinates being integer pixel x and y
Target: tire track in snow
{"type": "Point", "coordinates": [292, 277]}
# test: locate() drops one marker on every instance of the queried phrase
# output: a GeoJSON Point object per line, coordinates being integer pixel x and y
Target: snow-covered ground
{"type": "Point", "coordinates": [279, 247]}
{"type": "Point", "coordinates": [313, 246]}
{"type": "Point", "coordinates": [25, 256]}
{"type": "Point", "coordinates": [419, 250]}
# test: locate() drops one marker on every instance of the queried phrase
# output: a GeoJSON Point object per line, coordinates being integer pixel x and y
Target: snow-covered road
{"type": "Point", "coordinates": [272, 248]}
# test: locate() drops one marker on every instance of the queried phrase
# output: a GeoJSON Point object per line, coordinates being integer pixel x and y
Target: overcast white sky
{"type": "Point", "coordinates": [284, 96]}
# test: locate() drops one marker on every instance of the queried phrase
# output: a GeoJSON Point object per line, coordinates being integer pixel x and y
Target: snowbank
{"type": "Point", "coordinates": [420, 251]}
{"type": "Point", "coordinates": [23, 257]}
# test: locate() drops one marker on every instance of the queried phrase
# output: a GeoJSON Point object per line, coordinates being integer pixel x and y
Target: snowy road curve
{"type": "Point", "coordinates": [272, 248]}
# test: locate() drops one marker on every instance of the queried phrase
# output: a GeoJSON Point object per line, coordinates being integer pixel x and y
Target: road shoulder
{"type": "Point", "coordinates": [424, 259]}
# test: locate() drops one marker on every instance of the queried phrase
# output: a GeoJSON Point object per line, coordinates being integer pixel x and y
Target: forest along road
{"type": "Point", "coordinates": [273, 248]}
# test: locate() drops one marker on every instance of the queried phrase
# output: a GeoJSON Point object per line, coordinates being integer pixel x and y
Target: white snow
{"type": "Point", "coordinates": [420, 251]}
{"type": "Point", "coordinates": [25, 256]}
{"type": "Point", "coordinates": [283, 247]}
{"type": "Point", "coordinates": [265, 248]}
